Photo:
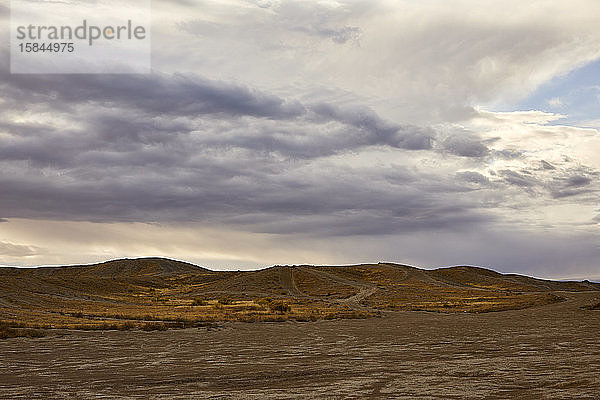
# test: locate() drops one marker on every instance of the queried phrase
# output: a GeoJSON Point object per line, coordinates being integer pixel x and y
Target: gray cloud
{"type": "Point", "coordinates": [465, 145]}
{"type": "Point", "coordinates": [263, 3]}
{"type": "Point", "coordinates": [339, 35]}
{"type": "Point", "coordinates": [562, 180]}
{"type": "Point", "coordinates": [382, 132]}
{"type": "Point", "coordinates": [473, 177]}
{"type": "Point", "coordinates": [179, 148]}
{"type": "Point", "coordinates": [507, 154]}
{"type": "Point", "coordinates": [175, 148]}
{"type": "Point", "coordinates": [314, 21]}
{"type": "Point", "coordinates": [556, 254]}
{"type": "Point", "coordinates": [176, 94]}
{"type": "Point", "coordinates": [577, 181]}
{"type": "Point", "coordinates": [16, 250]}
{"type": "Point", "coordinates": [546, 165]}
{"type": "Point", "coordinates": [317, 20]}
{"type": "Point", "coordinates": [321, 122]}
{"type": "Point", "coordinates": [428, 63]}
{"type": "Point", "coordinates": [571, 186]}
{"type": "Point", "coordinates": [264, 196]}
{"type": "Point", "coordinates": [182, 148]}
{"type": "Point", "coordinates": [521, 178]}
{"type": "Point", "coordinates": [127, 114]}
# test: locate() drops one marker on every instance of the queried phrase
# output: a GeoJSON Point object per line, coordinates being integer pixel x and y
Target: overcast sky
{"type": "Point", "coordinates": [427, 132]}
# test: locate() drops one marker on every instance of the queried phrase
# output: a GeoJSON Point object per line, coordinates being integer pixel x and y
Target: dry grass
{"type": "Point", "coordinates": [317, 285]}
{"type": "Point", "coordinates": [157, 295]}
{"type": "Point", "coordinates": [16, 330]}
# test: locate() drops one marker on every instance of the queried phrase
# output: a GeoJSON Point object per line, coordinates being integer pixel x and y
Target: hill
{"type": "Point", "coordinates": [157, 293]}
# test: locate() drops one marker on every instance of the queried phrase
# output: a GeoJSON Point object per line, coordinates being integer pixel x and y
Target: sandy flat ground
{"type": "Point", "coordinates": [549, 352]}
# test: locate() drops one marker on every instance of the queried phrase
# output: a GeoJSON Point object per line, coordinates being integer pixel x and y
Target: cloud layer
{"type": "Point", "coordinates": [345, 123]}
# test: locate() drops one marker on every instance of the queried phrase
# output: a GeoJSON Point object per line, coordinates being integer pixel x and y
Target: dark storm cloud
{"type": "Point", "coordinates": [120, 132]}
{"type": "Point", "coordinates": [545, 179]}
{"type": "Point", "coordinates": [125, 113]}
{"type": "Point", "coordinates": [577, 181]}
{"type": "Point", "coordinates": [559, 254]}
{"type": "Point", "coordinates": [132, 166]}
{"type": "Point", "coordinates": [176, 94]}
{"type": "Point", "coordinates": [571, 186]}
{"type": "Point", "coordinates": [181, 148]}
{"type": "Point", "coordinates": [381, 132]}
{"type": "Point", "coordinates": [523, 178]}
{"type": "Point", "coordinates": [374, 223]}
{"type": "Point", "coordinates": [261, 195]}
{"type": "Point", "coordinates": [473, 177]}
{"type": "Point", "coordinates": [25, 129]}
{"type": "Point", "coordinates": [568, 193]}
{"type": "Point", "coordinates": [185, 149]}
{"type": "Point", "coordinates": [465, 145]}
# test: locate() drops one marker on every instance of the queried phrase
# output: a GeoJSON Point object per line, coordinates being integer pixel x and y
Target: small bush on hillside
{"type": "Point", "coordinates": [154, 326]}
{"type": "Point", "coordinates": [126, 326]}
{"type": "Point", "coordinates": [264, 301]}
{"type": "Point", "coordinates": [279, 307]}
{"type": "Point", "coordinates": [8, 332]}
{"type": "Point", "coordinates": [199, 302]}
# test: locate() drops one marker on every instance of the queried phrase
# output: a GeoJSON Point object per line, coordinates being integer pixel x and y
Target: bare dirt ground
{"type": "Point", "coordinates": [546, 352]}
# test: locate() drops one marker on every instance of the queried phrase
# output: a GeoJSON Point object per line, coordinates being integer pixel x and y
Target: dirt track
{"type": "Point", "coordinates": [286, 276]}
{"type": "Point", "coordinates": [551, 352]}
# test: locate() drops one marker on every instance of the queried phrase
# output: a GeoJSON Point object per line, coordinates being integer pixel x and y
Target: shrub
{"type": "Point", "coordinates": [126, 326]}
{"type": "Point", "coordinates": [154, 326]}
{"type": "Point", "coordinates": [6, 333]}
{"type": "Point", "coordinates": [199, 302]}
{"type": "Point", "coordinates": [264, 301]}
{"type": "Point", "coordinates": [279, 307]}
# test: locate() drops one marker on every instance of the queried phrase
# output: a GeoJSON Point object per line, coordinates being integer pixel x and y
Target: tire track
{"type": "Point", "coordinates": [364, 289]}
{"type": "Point", "coordinates": [286, 276]}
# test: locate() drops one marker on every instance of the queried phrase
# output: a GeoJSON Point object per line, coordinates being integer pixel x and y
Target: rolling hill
{"type": "Point", "coordinates": [160, 293]}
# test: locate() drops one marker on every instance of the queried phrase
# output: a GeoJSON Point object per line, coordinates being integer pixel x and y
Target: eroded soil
{"type": "Point", "coordinates": [547, 352]}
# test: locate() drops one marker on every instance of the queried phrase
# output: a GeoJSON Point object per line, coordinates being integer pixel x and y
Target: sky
{"type": "Point", "coordinates": [429, 133]}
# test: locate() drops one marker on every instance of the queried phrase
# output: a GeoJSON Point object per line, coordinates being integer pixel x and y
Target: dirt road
{"type": "Point", "coordinates": [550, 352]}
